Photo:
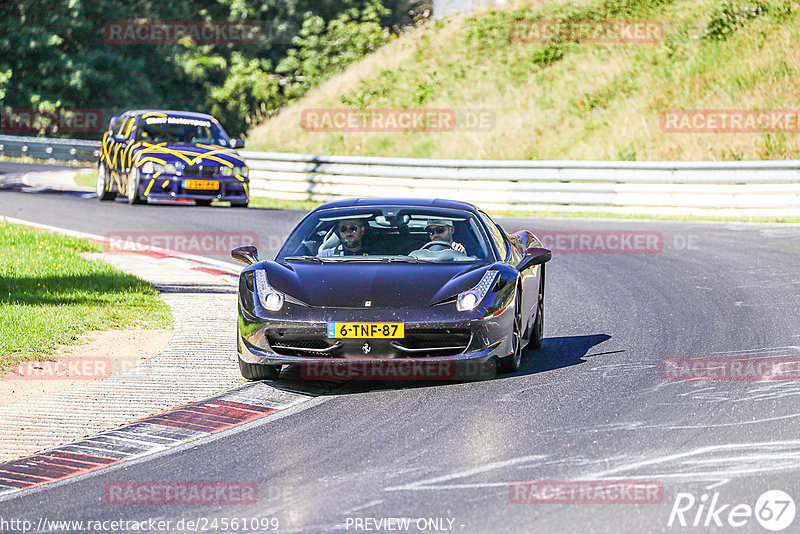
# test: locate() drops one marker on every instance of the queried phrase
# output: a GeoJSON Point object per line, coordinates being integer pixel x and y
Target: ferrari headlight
{"type": "Point", "coordinates": [469, 300]}
{"type": "Point", "coordinates": [269, 297]}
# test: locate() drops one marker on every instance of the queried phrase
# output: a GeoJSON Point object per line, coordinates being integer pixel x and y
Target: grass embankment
{"type": "Point", "coordinates": [570, 100]}
{"type": "Point", "coordinates": [49, 295]}
{"type": "Point", "coordinates": [87, 177]}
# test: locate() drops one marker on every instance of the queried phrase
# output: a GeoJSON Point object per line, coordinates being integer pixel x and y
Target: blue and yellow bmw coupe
{"type": "Point", "coordinates": [171, 155]}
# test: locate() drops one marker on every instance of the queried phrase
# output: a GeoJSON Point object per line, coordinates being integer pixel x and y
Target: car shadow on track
{"type": "Point", "coordinates": [556, 353]}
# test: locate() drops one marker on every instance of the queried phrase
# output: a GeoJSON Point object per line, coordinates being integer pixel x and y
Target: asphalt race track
{"type": "Point", "coordinates": [590, 405]}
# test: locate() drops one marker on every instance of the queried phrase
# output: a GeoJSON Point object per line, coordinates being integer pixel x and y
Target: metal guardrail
{"type": "Point", "coordinates": [70, 150]}
{"type": "Point", "coordinates": [737, 187]}
{"type": "Point", "coordinates": [729, 188]}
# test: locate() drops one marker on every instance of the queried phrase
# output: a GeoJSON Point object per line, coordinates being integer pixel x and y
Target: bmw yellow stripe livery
{"type": "Point", "coordinates": [171, 155]}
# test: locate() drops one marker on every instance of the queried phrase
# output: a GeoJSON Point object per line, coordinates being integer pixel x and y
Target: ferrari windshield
{"type": "Point", "coordinates": [175, 129]}
{"type": "Point", "coordinates": [389, 234]}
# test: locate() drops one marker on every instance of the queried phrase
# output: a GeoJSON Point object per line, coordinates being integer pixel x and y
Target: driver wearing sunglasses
{"type": "Point", "coordinates": [351, 238]}
{"type": "Point", "coordinates": [443, 230]}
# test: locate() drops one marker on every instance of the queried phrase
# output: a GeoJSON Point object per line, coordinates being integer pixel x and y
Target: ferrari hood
{"type": "Point", "coordinates": [353, 284]}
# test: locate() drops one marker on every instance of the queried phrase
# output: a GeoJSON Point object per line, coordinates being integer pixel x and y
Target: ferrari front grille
{"type": "Point", "coordinates": [433, 343]}
{"type": "Point", "coordinates": [301, 347]}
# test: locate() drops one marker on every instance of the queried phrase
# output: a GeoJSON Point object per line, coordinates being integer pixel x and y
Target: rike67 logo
{"type": "Point", "coordinates": [774, 510]}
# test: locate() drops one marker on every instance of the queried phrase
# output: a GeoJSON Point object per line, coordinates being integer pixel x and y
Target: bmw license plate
{"type": "Point", "coordinates": [201, 184]}
{"type": "Point", "coordinates": [366, 330]}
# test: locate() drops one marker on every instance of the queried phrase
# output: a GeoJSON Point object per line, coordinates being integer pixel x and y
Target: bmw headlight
{"type": "Point", "coordinates": [241, 171]}
{"type": "Point", "coordinates": [269, 297]}
{"type": "Point", "coordinates": [225, 171]}
{"type": "Point", "coordinates": [151, 167]}
{"type": "Point", "coordinates": [469, 300]}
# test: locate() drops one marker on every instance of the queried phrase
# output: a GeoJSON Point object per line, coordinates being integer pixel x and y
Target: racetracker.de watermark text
{"type": "Point", "coordinates": [586, 492]}
{"type": "Point", "coordinates": [730, 121]}
{"type": "Point", "coordinates": [180, 493]}
{"type": "Point", "coordinates": [136, 32]}
{"type": "Point", "coordinates": [586, 31]}
{"type": "Point", "coordinates": [63, 368]}
{"type": "Point", "coordinates": [386, 369]}
{"type": "Point", "coordinates": [397, 120]}
{"type": "Point", "coordinates": [765, 369]}
{"type": "Point", "coordinates": [615, 241]}
{"type": "Point", "coordinates": [214, 243]}
{"type": "Point", "coordinates": [57, 121]}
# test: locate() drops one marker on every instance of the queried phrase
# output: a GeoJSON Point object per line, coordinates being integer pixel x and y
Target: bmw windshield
{"type": "Point", "coordinates": [174, 129]}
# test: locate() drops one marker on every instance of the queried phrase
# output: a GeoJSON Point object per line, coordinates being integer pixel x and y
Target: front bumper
{"type": "Point", "coordinates": [438, 348]}
{"type": "Point", "coordinates": [172, 188]}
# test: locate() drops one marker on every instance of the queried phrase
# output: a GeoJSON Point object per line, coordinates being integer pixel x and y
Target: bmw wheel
{"type": "Point", "coordinates": [102, 187]}
{"type": "Point", "coordinates": [133, 187]}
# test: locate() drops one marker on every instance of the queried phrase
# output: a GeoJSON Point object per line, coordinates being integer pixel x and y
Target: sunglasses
{"type": "Point", "coordinates": [353, 228]}
{"type": "Point", "coordinates": [437, 230]}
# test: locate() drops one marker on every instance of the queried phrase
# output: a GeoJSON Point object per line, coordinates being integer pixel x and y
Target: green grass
{"type": "Point", "coordinates": [569, 100]}
{"type": "Point", "coordinates": [49, 295]}
{"type": "Point", "coordinates": [593, 215]}
{"type": "Point", "coordinates": [280, 204]}
{"type": "Point", "coordinates": [86, 177]}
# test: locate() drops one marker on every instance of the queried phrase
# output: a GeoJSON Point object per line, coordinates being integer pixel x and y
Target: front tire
{"type": "Point", "coordinates": [202, 202]}
{"type": "Point", "coordinates": [511, 363]}
{"type": "Point", "coordinates": [537, 334]}
{"type": "Point", "coordinates": [254, 371]}
{"type": "Point", "coordinates": [133, 187]}
{"type": "Point", "coordinates": [240, 204]}
{"type": "Point", "coordinates": [103, 193]}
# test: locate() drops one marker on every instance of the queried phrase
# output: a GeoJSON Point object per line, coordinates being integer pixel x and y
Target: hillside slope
{"type": "Point", "coordinates": [570, 100]}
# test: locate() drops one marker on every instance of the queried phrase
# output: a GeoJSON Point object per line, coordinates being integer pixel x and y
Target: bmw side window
{"type": "Point", "coordinates": [121, 123]}
{"type": "Point", "coordinates": [497, 236]}
{"type": "Point", "coordinates": [129, 127]}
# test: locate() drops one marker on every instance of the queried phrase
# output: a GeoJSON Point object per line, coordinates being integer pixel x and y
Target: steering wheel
{"type": "Point", "coordinates": [328, 237]}
{"type": "Point", "coordinates": [446, 244]}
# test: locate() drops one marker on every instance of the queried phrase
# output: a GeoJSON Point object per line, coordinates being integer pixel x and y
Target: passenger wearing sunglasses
{"type": "Point", "coordinates": [351, 237]}
{"type": "Point", "coordinates": [443, 230]}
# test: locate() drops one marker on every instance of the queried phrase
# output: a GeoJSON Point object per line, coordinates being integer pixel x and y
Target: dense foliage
{"type": "Point", "coordinates": [55, 55]}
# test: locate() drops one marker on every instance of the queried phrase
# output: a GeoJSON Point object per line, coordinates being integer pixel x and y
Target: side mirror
{"type": "Point", "coordinates": [120, 139]}
{"type": "Point", "coordinates": [247, 254]}
{"type": "Point", "coordinates": [534, 256]}
{"type": "Point", "coordinates": [112, 122]}
{"type": "Point", "coordinates": [237, 143]}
